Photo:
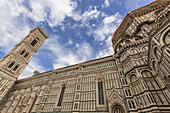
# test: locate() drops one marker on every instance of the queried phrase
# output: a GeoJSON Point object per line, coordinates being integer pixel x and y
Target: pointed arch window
{"type": "Point", "coordinates": [133, 51]}
{"type": "Point", "coordinates": [76, 105]}
{"type": "Point", "coordinates": [34, 42]}
{"type": "Point", "coordinates": [133, 104]}
{"type": "Point", "coordinates": [22, 52]}
{"type": "Point", "coordinates": [61, 96]}
{"type": "Point", "coordinates": [129, 92]}
{"type": "Point", "coordinates": [126, 93]}
{"type": "Point", "coordinates": [16, 67]}
{"type": "Point", "coordinates": [25, 56]}
{"type": "Point", "coordinates": [127, 41]}
{"type": "Point", "coordinates": [136, 39]}
{"type": "Point", "coordinates": [146, 73]}
{"type": "Point", "coordinates": [11, 64]}
{"type": "Point", "coordinates": [129, 105]}
{"type": "Point", "coordinates": [100, 91]}
{"type": "Point", "coordinates": [133, 78]}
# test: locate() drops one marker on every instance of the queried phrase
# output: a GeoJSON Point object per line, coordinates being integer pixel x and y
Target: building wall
{"type": "Point", "coordinates": [134, 79]}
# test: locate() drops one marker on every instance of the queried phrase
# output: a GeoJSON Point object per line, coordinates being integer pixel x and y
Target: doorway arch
{"type": "Point", "coordinates": [117, 109]}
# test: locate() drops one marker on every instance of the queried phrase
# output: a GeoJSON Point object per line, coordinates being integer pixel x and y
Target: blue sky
{"type": "Point", "coordinates": [78, 30]}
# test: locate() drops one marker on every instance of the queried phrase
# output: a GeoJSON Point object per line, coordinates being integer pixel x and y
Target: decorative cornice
{"type": "Point", "coordinates": [69, 68]}
{"type": "Point", "coordinates": [145, 40]}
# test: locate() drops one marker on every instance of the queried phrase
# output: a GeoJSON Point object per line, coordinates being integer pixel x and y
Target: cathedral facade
{"type": "Point", "coordinates": [136, 78]}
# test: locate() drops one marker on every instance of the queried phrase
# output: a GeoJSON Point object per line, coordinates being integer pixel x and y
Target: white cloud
{"type": "Point", "coordinates": [70, 42]}
{"type": "Point", "coordinates": [51, 11]}
{"type": "Point", "coordinates": [107, 49]}
{"type": "Point", "coordinates": [11, 32]}
{"type": "Point", "coordinates": [91, 13]}
{"type": "Point", "coordinates": [104, 32]}
{"type": "Point", "coordinates": [107, 27]}
{"type": "Point", "coordinates": [29, 70]}
{"type": "Point", "coordinates": [64, 56]}
{"type": "Point", "coordinates": [13, 13]}
{"type": "Point", "coordinates": [106, 2]}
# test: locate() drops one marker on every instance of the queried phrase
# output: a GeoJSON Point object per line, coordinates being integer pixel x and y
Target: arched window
{"type": "Point", "coordinates": [34, 42]}
{"type": "Point", "coordinates": [130, 106]}
{"type": "Point", "coordinates": [126, 93]}
{"type": "Point", "coordinates": [133, 78]}
{"type": "Point", "coordinates": [22, 52]}
{"type": "Point", "coordinates": [124, 56]}
{"type": "Point", "coordinates": [100, 92]}
{"type": "Point", "coordinates": [133, 104]}
{"type": "Point", "coordinates": [136, 39]}
{"type": "Point", "coordinates": [146, 73]}
{"type": "Point", "coordinates": [11, 64]}
{"type": "Point", "coordinates": [133, 51]}
{"type": "Point", "coordinates": [16, 67]}
{"type": "Point", "coordinates": [26, 55]}
{"type": "Point", "coordinates": [76, 105]}
{"type": "Point", "coordinates": [127, 41]}
{"type": "Point", "coordinates": [117, 109]}
{"type": "Point", "coordinates": [61, 96]}
{"type": "Point", "coordinates": [129, 92]}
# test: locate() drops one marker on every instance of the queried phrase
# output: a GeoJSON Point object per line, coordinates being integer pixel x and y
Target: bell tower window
{"type": "Point", "coordinates": [16, 67]}
{"type": "Point", "coordinates": [22, 52]}
{"type": "Point", "coordinates": [11, 64]}
{"type": "Point", "coordinates": [33, 43]}
{"type": "Point", "coordinates": [26, 55]}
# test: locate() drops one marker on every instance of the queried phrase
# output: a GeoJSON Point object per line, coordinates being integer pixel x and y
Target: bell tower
{"type": "Point", "coordinates": [14, 62]}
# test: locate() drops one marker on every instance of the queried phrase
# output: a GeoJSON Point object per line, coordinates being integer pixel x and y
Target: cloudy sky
{"type": "Point", "coordinates": [78, 30]}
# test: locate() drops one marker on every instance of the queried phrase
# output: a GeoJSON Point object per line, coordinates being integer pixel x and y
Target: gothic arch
{"type": "Point", "coordinates": [146, 73]}
{"type": "Point", "coordinates": [134, 51]}
{"type": "Point", "coordinates": [124, 56]}
{"type": "Point", "coordinates": [127, 41]}
{"type": "Point", "coordinates": [117, 109]}
{"type": "Point", "coordinates": [116, 103]}
{"type": "Point", "coordinates": [133, 78]}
